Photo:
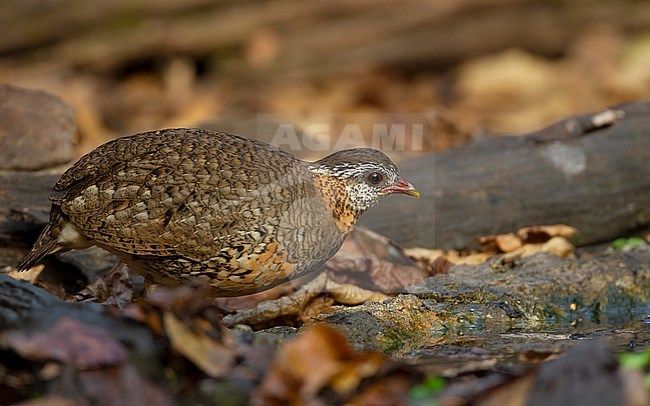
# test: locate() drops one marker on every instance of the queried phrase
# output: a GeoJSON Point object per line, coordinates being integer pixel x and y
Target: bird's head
{"type": "Point", "coordinates": [366, 175]}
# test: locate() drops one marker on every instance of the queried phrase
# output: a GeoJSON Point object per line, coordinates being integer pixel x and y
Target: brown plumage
{"type": "Point", "coordinates": [189, 205]}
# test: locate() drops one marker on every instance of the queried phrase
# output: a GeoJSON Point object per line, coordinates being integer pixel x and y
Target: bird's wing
{"type": "Point", "coordinates": [192, 198]}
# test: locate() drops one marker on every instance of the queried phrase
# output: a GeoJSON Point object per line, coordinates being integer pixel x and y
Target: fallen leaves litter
{"type": "Point", "coordinates": [500, 243]}
{"type": "Point", "coordinates": [188, 318]}
{"type": "Point", "coordinates": [114, 288]}
{"type": "Point", "coordinates": [209, 355]}
{"type": "Point", "coordinates": [531, 240]}
{"type": "Point", "coordinates": [68, 341]}
{"type": "Point", "coordinates": [318, 358]}
{"type": "Point", "coordinates": [559, 246]}
{"type": "Point", "coordinates": [537, 234]}
{"type": "Point", "coordinates": [525, 242]}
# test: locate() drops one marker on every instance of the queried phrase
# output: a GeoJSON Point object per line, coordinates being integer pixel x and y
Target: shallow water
{"type": "Point", "coordinates": [511, 348]}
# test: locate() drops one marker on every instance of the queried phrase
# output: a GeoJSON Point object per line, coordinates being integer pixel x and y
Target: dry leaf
{"type": "Point", "coordinates": [318, 358]}
{"type": "Point", "coordinates": [114, 288]}
{"type": "Point", "coordinates": [209, 355]}
{"type": "Point", "coordinates": [497, 244]}
{"type": "Point", "coordinates": [470, 259]}
{"type": "Point", "coordinates": [374, 274]}
{"type": "Point", "coordinates": [349, 294]}
{"type": "Point", "coordinates": [559, 246]}
{"type": "Point", "coordinates": [30, 275]}
{"type": "Point", "coordinates": [531, 240]}
{"type": "Point", "coordinates": [374, 262]}
{"type": "Point", "coordinates": [423, 254]}
{"type": "Point", "coordinates": [508, 242]}
{"type": "Point", "coordinates": [440, 266]}
{"type": "Point", "coordinates": [71, 342]}
{"type": "Point", "coordinates": [315, 308]}
{"type": "Point", "coordinates": [438, 261]}
{"type": "Point", "coordinates": [538, 234]}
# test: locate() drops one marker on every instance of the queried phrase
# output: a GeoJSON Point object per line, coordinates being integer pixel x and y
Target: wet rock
{"type": "Point", "coordinates": [608, 288]}
{"type": "Point", "coordinates": [541, 291]}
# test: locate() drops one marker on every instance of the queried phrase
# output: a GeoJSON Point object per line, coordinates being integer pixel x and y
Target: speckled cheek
{"type": "Point", "coordinates": [336, 199]}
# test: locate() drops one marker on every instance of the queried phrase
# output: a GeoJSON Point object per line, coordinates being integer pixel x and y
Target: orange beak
{"type": "Point", "coordinates": [402, 186]}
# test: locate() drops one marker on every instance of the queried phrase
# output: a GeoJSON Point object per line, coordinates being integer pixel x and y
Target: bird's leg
{"type": "Point", "coordinates": [283, 306]}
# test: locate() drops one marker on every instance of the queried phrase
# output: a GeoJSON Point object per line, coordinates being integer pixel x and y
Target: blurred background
{"type": "Point", "coordinates": [469, 67]}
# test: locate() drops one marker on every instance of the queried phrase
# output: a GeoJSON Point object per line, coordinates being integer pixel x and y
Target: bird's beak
{"type": "Point", "coordinates": [402, 186]}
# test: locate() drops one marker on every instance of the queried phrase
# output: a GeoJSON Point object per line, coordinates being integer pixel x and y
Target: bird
{"type": "Point", "coordinates": [192, 206]}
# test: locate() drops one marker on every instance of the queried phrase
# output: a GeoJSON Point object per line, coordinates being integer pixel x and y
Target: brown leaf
{"type": "Point", "coordinates": [440, 266]}
{"type": "Point", "coordinates": [539, 234]}
{"type": "Point", "coordinates": [424, 255]}
{"type": "Point", "coordinates": [144, 314]}
{"type": "Point", "coordinates": [530, 240]}
{"type": "Point", "coordinates": [71, 342]}
{"type": "Point", "coordinates": [501, 243]}
{"type": "Point", "coordinates": [318, 358]}
{"type": "Point", "coordinates": [212, 357]}
{"type": "Point", "coordinates": [372, 273]}
{"type": "Point", "coordinates": [114, 288]}
{"type": "Point", "coordinates": [373, 262]}
{"type": "Point", "coordinates": [349, 294]}
{"type": "Point", "coordinates": [508, 242]}
{"type": "Point", "coordinates": [559, 246]}
{"type": "Point", "coordinates": [30, 275]}
{"type": "Point", "coordinates": [489, 244]}
{"type": "Point", "coordinates": [321, 304]}
{"type": "Point", "coordinates": [437, 261]}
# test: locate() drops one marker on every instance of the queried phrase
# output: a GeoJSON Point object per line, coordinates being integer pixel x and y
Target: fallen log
{"type": "Point", "coordinates": [591, 172]}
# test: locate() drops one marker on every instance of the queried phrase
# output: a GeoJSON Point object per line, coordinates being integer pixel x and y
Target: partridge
{"type": "Point", "coordinates": [189, 205]}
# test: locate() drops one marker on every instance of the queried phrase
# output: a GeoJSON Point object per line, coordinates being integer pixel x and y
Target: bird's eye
{"type": "Point", "coordinates": [375, 177]}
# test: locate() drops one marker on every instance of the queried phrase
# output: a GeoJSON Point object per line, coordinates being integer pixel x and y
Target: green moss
{"type": "Point", "coordinates": [622, 244]}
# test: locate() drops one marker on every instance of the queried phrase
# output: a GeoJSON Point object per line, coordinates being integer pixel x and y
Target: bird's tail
{"type": "Point", "coordinates": [45, 244]}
